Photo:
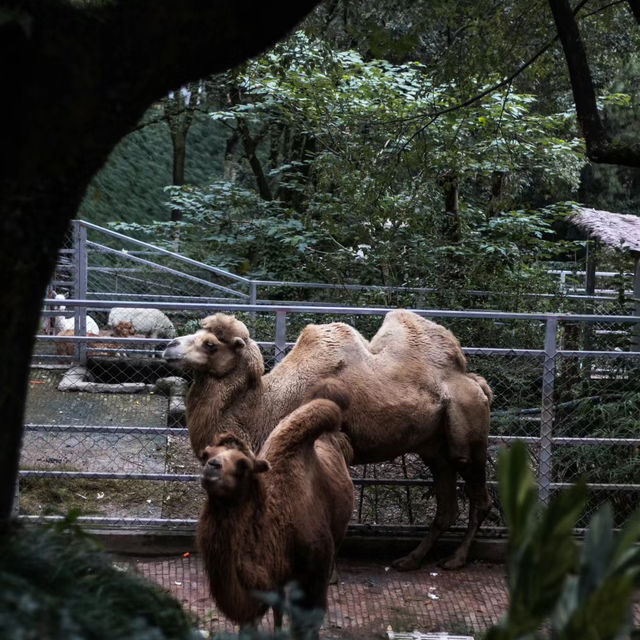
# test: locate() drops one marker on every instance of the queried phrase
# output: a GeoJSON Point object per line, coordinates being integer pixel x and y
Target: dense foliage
{"type": "Point", "coordinates": [573, 592]}
{"type": "Point", "coordinates": [390, 145]}
{"type": "Point", "coordinates": [56, 584]}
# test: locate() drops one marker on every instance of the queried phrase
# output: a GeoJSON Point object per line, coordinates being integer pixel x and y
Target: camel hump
{"type": "Point", "coordinates": [406, 335]}
{"type": "Point", "coordinates": [332, 337]}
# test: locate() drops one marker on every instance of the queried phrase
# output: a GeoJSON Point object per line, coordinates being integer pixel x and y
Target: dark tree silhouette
{"type": "Point", "coordinates": [601, 146]}
{"type": "Point", "coordinates": [76, 77]}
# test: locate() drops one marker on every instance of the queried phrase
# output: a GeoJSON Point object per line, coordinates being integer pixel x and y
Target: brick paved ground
{"type": "Point", "coordinates": [368, 599]}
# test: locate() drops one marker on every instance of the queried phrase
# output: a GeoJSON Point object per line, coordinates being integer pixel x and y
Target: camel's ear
{"type": "Point", "coordinates": [238, 343]}
{"type": "Point", "coordinates": [260, 466]}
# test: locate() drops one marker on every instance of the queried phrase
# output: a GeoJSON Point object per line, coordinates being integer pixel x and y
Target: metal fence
{"type": "Point", "coordinates": [105, 430]}
{"type": "Point", "coordinates": [106, 436]}
{"type": "Point", "coordinates": [99, 263]}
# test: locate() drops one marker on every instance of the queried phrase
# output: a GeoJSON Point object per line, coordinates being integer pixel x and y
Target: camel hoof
{"type": "Point", "coordinates": [453, 563]}
{"type": "Point", "coordinates": [407, 563]}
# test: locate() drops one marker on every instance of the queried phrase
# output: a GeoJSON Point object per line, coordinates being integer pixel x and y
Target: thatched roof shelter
{"type": "Point", "coordinates": [619, 230]}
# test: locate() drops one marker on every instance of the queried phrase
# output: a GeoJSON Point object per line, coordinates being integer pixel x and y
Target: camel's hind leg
{"type": "Point", "coordinates": [473, 472]}
{"type": "Point", "coordinates": [444, 484]}
{"type": "Point", "coordinates": [467, 429]}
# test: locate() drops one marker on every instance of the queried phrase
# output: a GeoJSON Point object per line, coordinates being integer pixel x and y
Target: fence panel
{"type": "Point", "coordinates": [107, 437]}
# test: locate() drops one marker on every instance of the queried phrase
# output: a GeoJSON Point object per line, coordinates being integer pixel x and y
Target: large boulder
{"type": "Point", "coordinates": [152, 323]}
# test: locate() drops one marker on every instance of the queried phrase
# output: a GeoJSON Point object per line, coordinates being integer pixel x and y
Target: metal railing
{"type": "Point", "coordinates": [573, 407]}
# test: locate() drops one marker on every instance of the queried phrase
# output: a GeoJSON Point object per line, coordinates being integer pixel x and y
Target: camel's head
{"type": "Point", "coordinates": [229, 468]}
{"type": "Point", "coordinates": [216, 349]}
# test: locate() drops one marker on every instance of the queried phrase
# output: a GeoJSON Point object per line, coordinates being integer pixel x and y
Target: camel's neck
{"type": "Point", "coordinates": [226, 530]}
{"type": "Point", "coordinates": [215, 405]}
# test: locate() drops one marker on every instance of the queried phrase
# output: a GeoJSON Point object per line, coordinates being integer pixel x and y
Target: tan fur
{"type": "Point", "coordinates": [408, 392]}
{"type": "Point", "coordinates": [275, 517]}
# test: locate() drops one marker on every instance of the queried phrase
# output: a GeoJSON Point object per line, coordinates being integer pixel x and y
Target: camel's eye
{"type": "Point", "coordinates": [211, 346]}
{"type": "Point", "coordinates": [242, 466]}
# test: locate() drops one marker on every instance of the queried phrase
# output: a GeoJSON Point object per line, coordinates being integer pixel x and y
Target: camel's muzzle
{"type": "Point", "coordinates": [174, 351]}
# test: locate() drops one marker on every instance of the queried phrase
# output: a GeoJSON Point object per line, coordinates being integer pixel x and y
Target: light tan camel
{"type": "Point", "coordinates": [409, 393]}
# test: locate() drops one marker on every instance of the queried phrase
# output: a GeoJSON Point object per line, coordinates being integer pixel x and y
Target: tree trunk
{"type": "Point", "coordinates": [179, 142]}
{"type": "Point", "coordinates": [452, 228]}
{"type": "Point", "coordinates": [600, 146]}
{"type": "Point", "coordinates": [86, 76]}
{"type": "Point", "coordinates": [32, 229]}
{"type": "Point", "coordinates": [250, 148]}
{"type": "Point", "coordinates": [498, 183]}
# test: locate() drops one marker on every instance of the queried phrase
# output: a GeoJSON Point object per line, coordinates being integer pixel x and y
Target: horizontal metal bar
{"type": "Point", "coordinates": [598, 354]}
{"type": "Point", "coordinates": [107, 475]}
{"type": "Point", "coordinates": [166, 252]}
{"type": "Point", "coordinates": [104, 429]}
{"type": "Point", "coordinates": [160, 267]}
{"type": "Point", "coordinates": [599, 486]}
{"type": "Point", "coordinates": [340, 310]}
{"type": "Point", "coordinates": [189, 477]}
{"type": "Point", "coordinates": [566, 441]}
{"type": "Point", "coordinates": [103, 520]}
{"type": "Point", "coordinates": [473, 292]}
{"type": "Point", "coordinates": [525, 439]}
{"type": "Point", "coordinates": [631, 442]}
{"type": "Point", "coordinates": [154, 431]}
{"type": "Point", "coordinates": [190, 523]}
{"type": "Point", "coordinates": [105, 339]}
{"type": "Point", "coordinates": [100, 295]}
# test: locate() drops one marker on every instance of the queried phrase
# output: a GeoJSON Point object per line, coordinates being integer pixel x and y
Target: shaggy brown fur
{"type": "Point", "coordinates": [276, 517]}
{"type": "Point", "coordinates": [408, 388]}
{"type": "Point", "coordinates": [121, 330]}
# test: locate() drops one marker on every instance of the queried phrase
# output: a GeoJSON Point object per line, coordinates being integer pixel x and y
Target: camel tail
{"type": "Point", "coordinates": [484, 385]}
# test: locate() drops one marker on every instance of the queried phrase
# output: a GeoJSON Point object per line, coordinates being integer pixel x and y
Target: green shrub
{"type": "Point", "coordinates": [55, 584]}
{"type": "Point", "coordinates": [574, 593]}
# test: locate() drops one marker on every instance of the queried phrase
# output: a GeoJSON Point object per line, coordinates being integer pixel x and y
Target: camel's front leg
{"type": "Point", "coordinates": [444, 484]}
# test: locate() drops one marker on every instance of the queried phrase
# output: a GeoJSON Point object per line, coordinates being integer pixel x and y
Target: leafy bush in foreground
{"type": "Point", "coordinates": [56, 585]}
{"type": "Point", "coordinates": [573, 593]}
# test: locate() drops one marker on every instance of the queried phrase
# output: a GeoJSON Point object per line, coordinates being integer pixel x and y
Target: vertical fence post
{"type": "Point", "coordinates": [635, 328]}
{"type": "Point", "coordinates": [281, 335]}
{"type": "Point", "coordinates": [547, 416]}
{"type": "Point", "coordinates": [15, 507]}
{"type": "Point", "coordinates": [253, 298]}
{"type": "Point", "coordinates": [80, 258]}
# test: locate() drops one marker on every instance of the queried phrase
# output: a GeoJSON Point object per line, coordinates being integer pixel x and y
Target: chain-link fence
{"type": "Point", "coordinates": [106, 436]}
